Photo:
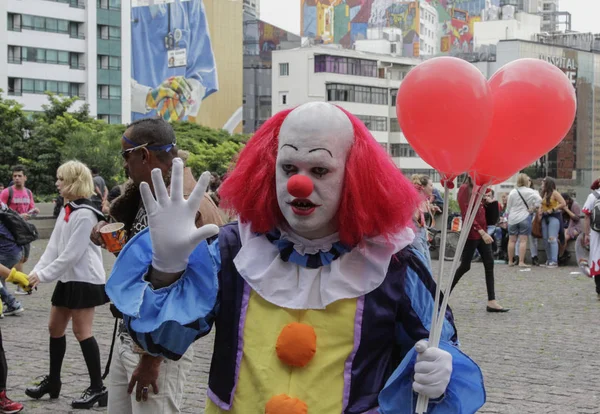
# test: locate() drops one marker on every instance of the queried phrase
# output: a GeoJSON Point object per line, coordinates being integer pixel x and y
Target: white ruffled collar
{"type": "Point", "coordinates": [289, 285]}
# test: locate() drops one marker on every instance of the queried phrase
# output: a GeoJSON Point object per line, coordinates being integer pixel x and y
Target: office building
{"type": "Point", "coordinates": [73, 48]}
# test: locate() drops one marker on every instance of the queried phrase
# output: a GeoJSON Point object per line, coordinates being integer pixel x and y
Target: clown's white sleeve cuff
{"type": "Point", "coordinates": [138, 97]}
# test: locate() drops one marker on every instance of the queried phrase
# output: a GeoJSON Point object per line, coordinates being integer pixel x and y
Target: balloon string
{"type": "Point", "coordinates": [423, 400]}
{"type": "Point", "coordinates": [473, 207]}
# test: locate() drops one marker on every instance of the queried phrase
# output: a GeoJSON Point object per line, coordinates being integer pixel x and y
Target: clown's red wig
{"type": "Point", "coordinates": [377, 200]}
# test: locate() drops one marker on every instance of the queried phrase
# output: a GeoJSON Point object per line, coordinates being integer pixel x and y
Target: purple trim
{"type": "Point", "coordinates": [240, 350]}
{"type": "Point", "coordinates": [372, 411]}
{"type": "Point", "coordinates": [360, 305]}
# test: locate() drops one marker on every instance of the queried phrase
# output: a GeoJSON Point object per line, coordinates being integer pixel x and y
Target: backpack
{"type": "Point", "coordinates": [22, 231]}
{"type": "Point", "coordinates": [595, 217]}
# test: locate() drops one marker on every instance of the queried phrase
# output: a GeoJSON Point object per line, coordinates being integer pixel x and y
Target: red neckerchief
{"type": "Point", "coordinates": [68, 210]}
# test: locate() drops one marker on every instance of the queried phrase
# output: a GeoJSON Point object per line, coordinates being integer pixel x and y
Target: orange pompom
{"type": "Point", "coordinates": [296, 344]}
{"type": "Point", "coordinates": [283, 404]}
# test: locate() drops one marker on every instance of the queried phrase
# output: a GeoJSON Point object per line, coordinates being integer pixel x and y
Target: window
{"type": "Point", "coordinates": [393, 48]}
{"type": "Point", "coordinates": [345, 66]}
{"type": "Point", "coordinates": [75, 32]}
{"type": "Point", "coordinates": [51, 25]}
{"type": "Point", "coordinates": [284, 69]}
{"type": "Point", "coordinates": [41, 86]}
{"type": "Point", "coordinates": [114, 32]}
{"type": "Point", "coordinates": [103, 92]}
{"type": "Point", "coordinates": [103, 62]}
{"type": "Point", "coordinates": [13, 22]}
{"type": "Point", "coordinates": [283, 98]}
{"type": "Point", "coordinates": [114, 4]}
{"type": "Point", "coordinates": [393, 96]}
{"type": "Point", "coordinates": [51, 56]}
{"type": "Point", "coordinates": [433, 174]}
{"type": "Point", "coordinates": [357, 93]}
{"type": "Point", "coordinates": [114, 63]}
{"type": "Point", "coordinates": [114, 92]}
{"type": "Point", "coordinates": [45, 24]}
{"type": "Point", "coordinates": [394, 125]}
{"type": "Point", "coordinates": [63, 57]}
{"type": "Point", "coordinates": [14, 54]}
{"type": "Point", "coordinates": [403, 150]}
{"type": "Point", "coordinates": [14, 86]}
{"type": "Point", "coordinates": [374, 123]}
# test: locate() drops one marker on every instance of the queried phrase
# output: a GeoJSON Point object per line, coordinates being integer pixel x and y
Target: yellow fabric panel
{"type": "Point", "coordinates": [262, 375]}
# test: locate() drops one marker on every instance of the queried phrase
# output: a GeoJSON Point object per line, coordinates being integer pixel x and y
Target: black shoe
{"type": "Point", "coordinates": [535, 261]}
{"type": "Point", "coordinates": [516, 260]}
{"type": "Point", "coordinates": [90, 397]}
{"type": "Point", "coordinates": [502, 310]}
{"type": "Point", "coordinates": [43, 388]}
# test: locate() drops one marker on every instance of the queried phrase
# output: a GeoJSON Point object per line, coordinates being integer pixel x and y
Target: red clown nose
{"type": "Point", "coordinates": [300, 186]}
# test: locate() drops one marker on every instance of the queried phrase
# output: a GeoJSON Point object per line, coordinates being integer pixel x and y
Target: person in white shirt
{"type": "Point", "coordinates": [75, 263]}
{"type": "Point", "coordinates": [522, 201]}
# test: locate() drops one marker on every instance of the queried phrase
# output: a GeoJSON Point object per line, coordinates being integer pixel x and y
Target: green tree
{"type": "Point", "coordinates": [210, 149]}
{"type": "Point", "coordinates": [15, 130]}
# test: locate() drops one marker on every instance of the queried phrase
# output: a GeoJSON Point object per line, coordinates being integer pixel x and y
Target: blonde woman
{"type": "Point", "coordinates": [75, 263]}
{"type": "Point", "coordinates": [522, 202]}
{"type": "Point", "coordinates": [424, 214]}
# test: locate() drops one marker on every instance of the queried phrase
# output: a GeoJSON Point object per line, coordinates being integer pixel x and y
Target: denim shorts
{"type": "Point", "coordinates": [10, 260]}
{"type": "Point", "coordinates": [520, 229]}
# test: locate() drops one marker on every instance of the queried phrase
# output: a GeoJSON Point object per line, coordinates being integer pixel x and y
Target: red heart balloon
{"type": "Point", "coordinates": [444, 108]}
{"type": "Point", "coordinates": [534, 108]}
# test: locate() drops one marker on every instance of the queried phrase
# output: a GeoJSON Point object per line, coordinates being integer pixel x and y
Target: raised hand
{"type": "Point", "coordinates": [172, 219]}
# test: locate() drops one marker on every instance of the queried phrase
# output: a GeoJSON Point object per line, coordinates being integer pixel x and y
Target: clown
{"type": "Point", "coordinates": [319, 304]}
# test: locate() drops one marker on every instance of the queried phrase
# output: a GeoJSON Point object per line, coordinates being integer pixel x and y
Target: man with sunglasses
{"type": "Point", "coordinates": [147, 144]}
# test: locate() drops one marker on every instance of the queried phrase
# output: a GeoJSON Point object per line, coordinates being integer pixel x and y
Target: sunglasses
{"type": "Point", "coordinates": [125, 153]}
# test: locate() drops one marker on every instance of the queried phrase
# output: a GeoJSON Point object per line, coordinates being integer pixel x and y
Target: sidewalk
{"type": "Point", "coordinates": [541, 357]}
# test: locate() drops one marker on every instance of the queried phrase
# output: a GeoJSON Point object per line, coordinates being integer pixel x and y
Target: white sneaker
{"type": "Point", "coordinates": [20, 291]}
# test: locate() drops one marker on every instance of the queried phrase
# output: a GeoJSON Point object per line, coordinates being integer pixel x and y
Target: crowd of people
{"type": "Point", "coordinates": [145, 360]}
{"type": "Point", "coordinates": [504, 230]}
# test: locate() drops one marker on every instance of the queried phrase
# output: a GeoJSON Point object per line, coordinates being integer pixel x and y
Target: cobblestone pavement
{"type": "Point", "coordinates": [541, 357]}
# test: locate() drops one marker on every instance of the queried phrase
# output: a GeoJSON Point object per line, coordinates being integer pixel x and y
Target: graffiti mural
{"type": "Point", "coordinates": [346, 21]}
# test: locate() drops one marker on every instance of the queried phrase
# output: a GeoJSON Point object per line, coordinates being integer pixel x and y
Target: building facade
{"type": "Point", "coordinates": [68, 47]}
{"type": "Point", "coordinates": [260, 40]}
{"type": "Point", "coordinates": [365, 84]}
{"type": "Point", "coordinates": [575, 162]}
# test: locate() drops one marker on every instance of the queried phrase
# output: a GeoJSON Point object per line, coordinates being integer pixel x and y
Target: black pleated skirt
{"type": "Point", "coordinates": [79, 295]}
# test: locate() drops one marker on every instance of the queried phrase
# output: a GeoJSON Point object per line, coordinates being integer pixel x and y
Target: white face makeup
{"type": "Point", "coordinates": [314, 142]}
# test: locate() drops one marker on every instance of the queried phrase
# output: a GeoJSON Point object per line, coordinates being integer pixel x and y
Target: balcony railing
{"type": "Point", "coordinates": [17, 61]}
{"type": "Point", "coordinates": [79, 66]}
{"type": "Point", "coordinates": [78, 35]}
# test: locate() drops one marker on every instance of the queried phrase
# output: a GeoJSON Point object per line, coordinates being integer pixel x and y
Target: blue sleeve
{"type": "Point", "coordinates": [165, 321]}
{"type": "Point", "coordinates": [465, 393]}
{"type": "Point", "coordinates": [201, 63]}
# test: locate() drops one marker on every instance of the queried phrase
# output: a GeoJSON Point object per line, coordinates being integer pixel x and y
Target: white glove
{"type": "Point", "coordinates": [172, 220]}
{"type": "Point", "coordinates": [432, 370]}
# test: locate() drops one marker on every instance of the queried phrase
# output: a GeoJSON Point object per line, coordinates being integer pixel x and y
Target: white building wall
{"type": "Point", "coordinates": [523, 27]}
{"type": "Point", "coordinates": [63, 42]}
{"type": "Point", "coordinates": [125, 62]}
{"type": "Point", "coordinates": [429, 33]}
{"type": "Point", "coordinates": [91, 64]}
{"type": "Point", "coordinates": [49, 9]}
{"type": "Point", "coordinates": [304, 85]}
{"type": "Point", "coordinates": [3, 49]}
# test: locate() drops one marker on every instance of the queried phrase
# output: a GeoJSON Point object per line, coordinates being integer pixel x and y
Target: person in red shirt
{"type": "Point", "coordinates": [20, 199]}
{"type": "Point", "coordinates": [479, 240]}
